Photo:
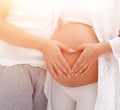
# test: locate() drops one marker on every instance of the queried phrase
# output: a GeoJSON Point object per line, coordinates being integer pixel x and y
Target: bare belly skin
{"type": "Point", "coordinates": [74, 34]}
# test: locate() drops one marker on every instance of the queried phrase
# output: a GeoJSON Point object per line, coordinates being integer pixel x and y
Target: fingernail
{"type": "Point", "coordinates": [71, 50]}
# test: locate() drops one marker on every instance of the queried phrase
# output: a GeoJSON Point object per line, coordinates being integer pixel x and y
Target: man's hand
{"type": "Point", "coordinates": [55, 61]}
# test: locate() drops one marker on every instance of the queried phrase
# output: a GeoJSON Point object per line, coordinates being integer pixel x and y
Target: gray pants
{"type": "Point", "coordinates": [21, 88]}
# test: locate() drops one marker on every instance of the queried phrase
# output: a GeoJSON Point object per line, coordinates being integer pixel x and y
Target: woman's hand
{"type": "Point", "coordinates": [55, 61]}
{"type": "Point", "coordinates": [89, 55]}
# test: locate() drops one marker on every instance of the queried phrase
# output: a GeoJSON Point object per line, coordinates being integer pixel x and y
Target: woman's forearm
{"type": "Point", "coordinates": [104, 48]}
{"type": "Point", "coordinates": [15, 36]}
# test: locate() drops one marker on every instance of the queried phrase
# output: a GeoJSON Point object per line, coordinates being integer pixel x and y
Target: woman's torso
{"type": "Point", "coordinates": [77, 32]}
{"type": "Point", "coordinates": [74, 34]}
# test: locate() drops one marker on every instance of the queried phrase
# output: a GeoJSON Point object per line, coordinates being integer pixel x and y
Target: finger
{"type": "Point", "coordinates": [79, 48]}
{"type": "Point", "coordinates": [81, 70]}
{"type": "Point", "coordinates": [65, 48]}
{"type": "Point", "coordinates": [77, 65]}
{"type": "Point", "coordinates": [64, 72]}
{"type": "Point", "coordinates": [82, 74]}
{"type": "Point", "coordinates": [52, 70]}
{"type": "Point", "coordinates": [59, 71]}
{"type": "Point", "coordinates": [64, 64]}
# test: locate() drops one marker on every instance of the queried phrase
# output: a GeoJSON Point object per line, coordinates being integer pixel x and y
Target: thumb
{"type": "Point", "coordinates": [79, 48]}
{"type": "Point", "coordinates": [66, 48]}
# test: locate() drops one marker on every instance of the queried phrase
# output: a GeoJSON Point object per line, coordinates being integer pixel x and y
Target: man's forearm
{"type": "Point", "coordinates": [15, 36]}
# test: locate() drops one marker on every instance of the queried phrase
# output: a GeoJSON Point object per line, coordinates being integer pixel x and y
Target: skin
{"type": "Point", "coordinates": [83, 62]}
{"type": "Point", "coordinates": [51, 49]}
{"type": "Point", "coordinates": [90, 53]}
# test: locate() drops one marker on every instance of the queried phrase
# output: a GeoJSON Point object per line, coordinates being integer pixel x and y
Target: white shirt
{"type": "Point", "coordinates": [32, 16]}
{"type": "Point", "coordinates": [76, 11]}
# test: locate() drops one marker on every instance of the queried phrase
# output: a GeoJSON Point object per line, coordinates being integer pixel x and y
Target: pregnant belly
{"type": "Point", "coordinates": [74, 34]}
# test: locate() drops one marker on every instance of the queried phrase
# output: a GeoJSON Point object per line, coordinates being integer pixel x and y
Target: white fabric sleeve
{"type": "Point", "coordinates": [115, 45]}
